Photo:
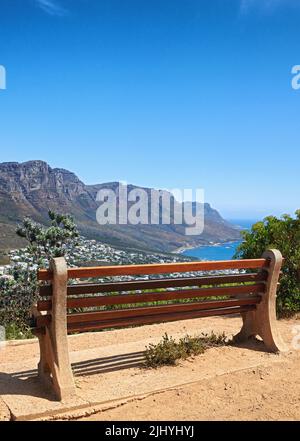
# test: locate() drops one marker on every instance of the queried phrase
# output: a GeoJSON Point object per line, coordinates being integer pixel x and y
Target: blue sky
{"type": "Point", "coordinates": [161, 93]}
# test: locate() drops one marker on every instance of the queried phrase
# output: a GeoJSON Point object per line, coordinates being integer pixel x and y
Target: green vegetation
{"type": "Point", "coordinates": [168, 351]}
{"type": "Point", "coordinates": [15, 332]}
{"type": "Point", "coordinates": [283, 234]}
{"type": "Point", "coordinates": [19, 289]}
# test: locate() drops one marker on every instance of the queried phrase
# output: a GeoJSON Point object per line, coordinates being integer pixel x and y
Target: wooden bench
{"type": "Point", "coordinates": [70, 308]}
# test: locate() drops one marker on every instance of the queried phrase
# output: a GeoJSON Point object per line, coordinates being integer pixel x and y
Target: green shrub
{"type": "Point", "coordinates": [15, 332]}
{"type": "Point", "coordinates": [168, 351]}
{"type": "Point", "coordinates": [18, 292]}
{"type": "Point", "coordinates": [283, 234]}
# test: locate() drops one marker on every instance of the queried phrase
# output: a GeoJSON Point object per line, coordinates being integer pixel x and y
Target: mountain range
{"type": "Point", "coordinates": [32, 188]}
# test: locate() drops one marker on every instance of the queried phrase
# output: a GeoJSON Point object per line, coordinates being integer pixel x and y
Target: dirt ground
{"type": "Point", "coordinates": [262, 393]}
{"type": "Point", "coordinates": [225, 383]}
{"type": "Point", "coordinates": [4, 411]}
{"type": "Point", "coordinates": [267, 393]}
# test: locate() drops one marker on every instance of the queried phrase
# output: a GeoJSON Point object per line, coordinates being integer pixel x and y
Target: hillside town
{"type": "Point", "coordinates": [92, 252]}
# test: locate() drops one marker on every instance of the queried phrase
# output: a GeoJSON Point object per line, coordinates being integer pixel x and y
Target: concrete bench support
{"type": "Point", "coordinates": [262, 322]}
{"type": "Point", "coordinates": [54, 367]}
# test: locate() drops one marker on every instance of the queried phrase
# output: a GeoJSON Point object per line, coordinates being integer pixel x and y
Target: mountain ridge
{"type": "Point", "coordinates": [32, 188]}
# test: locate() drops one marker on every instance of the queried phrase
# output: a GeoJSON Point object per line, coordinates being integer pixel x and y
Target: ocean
{"type": "Point", "coordinates": [224, 251]}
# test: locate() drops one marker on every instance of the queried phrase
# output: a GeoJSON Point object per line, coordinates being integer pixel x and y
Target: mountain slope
{"type": "Point", "coordinates": [33, 187]}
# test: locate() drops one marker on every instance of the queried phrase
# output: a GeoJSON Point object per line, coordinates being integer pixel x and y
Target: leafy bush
{"type": "Point", "coordinates": [18, 291]}
{"type": "Point", "coordinates": [168, 351]}
{"type": "Point", "coordinates": [283, 234]}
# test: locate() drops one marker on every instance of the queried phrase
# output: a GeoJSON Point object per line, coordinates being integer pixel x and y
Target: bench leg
{"type": "Point", "coordinates": [55, 374]}
{"type": "Point", "coordinates": [263, 321]}
{"type": "Point", "coordinates": [44, 368]}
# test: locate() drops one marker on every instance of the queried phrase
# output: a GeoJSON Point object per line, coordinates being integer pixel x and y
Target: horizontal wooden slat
{"type": "Point", "coordinates": [160, 318]}
{"type": "Point", "coordinates": [154, 310]}
{"type": "Point", "coordinates": [90, 288]}
{"type": "Point", "coordinates": [121, 299]}
{"type": "Point", "coordinates": [45, 291]}
{"type": "Point", "coordinates": [181, 267]}
{"type": "Point", "coordinates": [93, 288]}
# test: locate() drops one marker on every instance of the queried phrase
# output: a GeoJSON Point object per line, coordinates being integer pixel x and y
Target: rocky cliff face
{"type": "Point", "coordinates": [36, 185]}
{"type": "Point", "coordinates": [32, 188]}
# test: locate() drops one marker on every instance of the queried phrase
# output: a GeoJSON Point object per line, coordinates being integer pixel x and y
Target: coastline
{"type": "Point", "coordinates": [182, 249]}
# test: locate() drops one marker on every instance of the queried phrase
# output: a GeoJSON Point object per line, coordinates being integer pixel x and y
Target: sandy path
{"type": "Point", "coordinates": [266, 393]}
{"type": "Point", "coordinates": [270, 391]}
{"type": "Point", "coordinates": [229, 382]}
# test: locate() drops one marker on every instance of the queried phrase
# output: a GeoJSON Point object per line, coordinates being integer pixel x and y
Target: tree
{"type": "Point", "coordinates": [19, 289]}
{"type": "Point", "coordinates": [53, 241]}
{"type": "Point", "coordinates": [284, 234]}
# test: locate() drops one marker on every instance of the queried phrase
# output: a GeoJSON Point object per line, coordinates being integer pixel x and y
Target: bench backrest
{"type": "Point", "coordinates": [197, 289]}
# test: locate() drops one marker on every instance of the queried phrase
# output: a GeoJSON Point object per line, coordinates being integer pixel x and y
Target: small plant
{"type": "Point", "coordinates": [213, 339]}
{"type": "Point", "coordinates": [168, 351]}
